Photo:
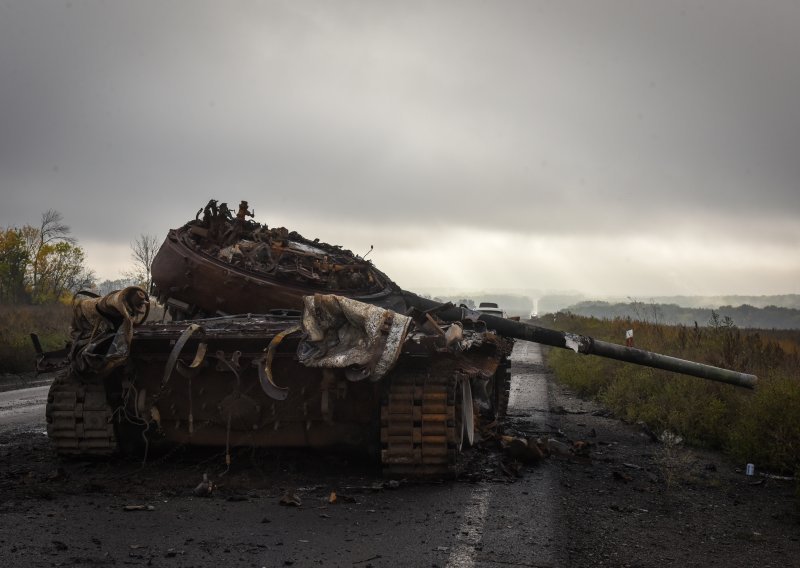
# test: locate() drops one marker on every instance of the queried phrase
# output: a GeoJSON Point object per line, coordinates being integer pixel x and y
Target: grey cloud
{"type": "Point", "coordinates": [533, 117]}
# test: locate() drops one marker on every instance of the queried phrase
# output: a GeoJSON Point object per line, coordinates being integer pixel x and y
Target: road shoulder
{"type": "Point", "coordinates": [635, 501]}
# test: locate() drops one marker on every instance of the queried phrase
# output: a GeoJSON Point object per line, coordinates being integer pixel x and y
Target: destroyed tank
{"type": "Point", "coordinates": [220, 264]}
{"type": "Point", "coordinates": [278, 341]}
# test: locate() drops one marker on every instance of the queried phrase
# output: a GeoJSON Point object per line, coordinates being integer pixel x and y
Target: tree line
{"type": "Point", "coordinates": [42, 264]}
{"type": "Point", "coordinates": [745, 316]}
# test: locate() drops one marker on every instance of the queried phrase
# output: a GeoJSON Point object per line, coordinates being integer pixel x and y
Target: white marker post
{"type": "Point", "coordinates": [629, 338]}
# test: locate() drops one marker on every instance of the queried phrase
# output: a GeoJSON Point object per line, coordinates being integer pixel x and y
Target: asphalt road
{"type": "Point", "coordinates": [23, 408]}
{"type": "Point", "coordinates": [449, 524]}
{"type": "Point", "coordinates": [628, 502]}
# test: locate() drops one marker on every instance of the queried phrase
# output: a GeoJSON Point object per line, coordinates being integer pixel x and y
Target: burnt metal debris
{"type": "Point", "coordinates": [221, 264]}
{"type": "Point", "coordinates": [276, 340]}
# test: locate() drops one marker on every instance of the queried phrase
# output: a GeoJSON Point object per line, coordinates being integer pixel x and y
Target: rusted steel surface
{"type": "Point", "coordinates": [221, 264]}
{"type": "Point", "coordinates": [220, 400]}
{"type": "Point", "coordinates": [426, 420]}
{"type": "Point", "coordinates": [333, 377]}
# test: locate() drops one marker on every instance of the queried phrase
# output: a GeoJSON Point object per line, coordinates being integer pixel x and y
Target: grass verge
{"type": "Point", "coordinates": [760, 427]}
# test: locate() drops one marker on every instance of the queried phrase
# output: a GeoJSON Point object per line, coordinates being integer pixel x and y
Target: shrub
{"type": "Point", "coordinates": [767, 431]}
{"type": "Point", "coordinates": [587, 376]}
{"type": "Point", "coordinates": [762, 427]}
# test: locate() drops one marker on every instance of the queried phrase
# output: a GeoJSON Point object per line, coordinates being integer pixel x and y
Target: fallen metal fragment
{"type": "Point", "coordinates": [205, 488]}
{"type": "Point", "coordinates": [558, 448]}
{"type": "Point", "coordinates": [129, 508]}
{"type": "Point", "coordinates": [525, 450]}
{"type": "Point", "coordinates": [290, 499]}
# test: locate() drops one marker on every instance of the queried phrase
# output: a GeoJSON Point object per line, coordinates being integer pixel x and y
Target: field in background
{"type": "Point", "coordinates": [760, 427]}
{"type": "Point", "coordinates": [50, 322]}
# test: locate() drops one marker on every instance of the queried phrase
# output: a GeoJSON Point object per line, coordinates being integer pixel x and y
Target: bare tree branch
{"type": "Point", "coordinates": [52, 228]}
{"type": "Point", "coordinates": [143, 251]}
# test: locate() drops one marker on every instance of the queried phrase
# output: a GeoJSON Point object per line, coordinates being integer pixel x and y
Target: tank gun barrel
{"type": "Point", "coordinates": [584, 344]}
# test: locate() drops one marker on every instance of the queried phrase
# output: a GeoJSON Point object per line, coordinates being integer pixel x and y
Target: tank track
{"type": "Point", "coordinates": [79, 419]}
{"type": "Point", "coordinates": [419, 435]}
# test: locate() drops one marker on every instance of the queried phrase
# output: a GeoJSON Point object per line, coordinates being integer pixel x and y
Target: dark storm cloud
{"type": "Point", "coordinates": [539, 118]}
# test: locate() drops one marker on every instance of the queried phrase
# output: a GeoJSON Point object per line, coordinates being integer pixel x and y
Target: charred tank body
{"type": "Point", "coordinates": [220, 264]}
{"type": "Point", "coordinates": [277, 340]}
{"type": "Point", "coordinates": [345, 373]}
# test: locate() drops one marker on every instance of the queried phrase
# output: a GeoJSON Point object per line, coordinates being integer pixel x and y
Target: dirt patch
{"type": "Point", "coordinates": [637, 501]}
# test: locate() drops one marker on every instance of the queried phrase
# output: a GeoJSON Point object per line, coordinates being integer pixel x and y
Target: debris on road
{"type": "Point", "coordinates": [129, 508]}
{"type": "Point", "coordinates": [290, 499]}
{"type": "Point", "coordinates": [525, 450]}
{"type": "Point", "coordinates": [205, 488]}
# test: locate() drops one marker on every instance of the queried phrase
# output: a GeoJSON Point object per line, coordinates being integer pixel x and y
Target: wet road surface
{"type": "Point", "coordinates": [448, 524]}
{"type": "Point", "coordinates": [23, 408]}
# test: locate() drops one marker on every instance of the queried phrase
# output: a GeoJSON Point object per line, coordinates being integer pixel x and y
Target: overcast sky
{"type": "Point", "coordinates": [610, 147]}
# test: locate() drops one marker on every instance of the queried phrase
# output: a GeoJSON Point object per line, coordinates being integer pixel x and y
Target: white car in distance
{"type": "Point", "coordinates": [492, 309]}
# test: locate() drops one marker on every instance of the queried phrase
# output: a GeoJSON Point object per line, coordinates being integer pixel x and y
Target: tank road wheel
{"type": "Point", "coordinates": [464, 418]}
{"type": "Point", "coordinates": [79, 419]}
{"type": "Point", "coordinates": [425, 421]}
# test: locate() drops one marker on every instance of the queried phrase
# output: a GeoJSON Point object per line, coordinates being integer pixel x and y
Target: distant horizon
{"type": "Point", "coordinates": [451, 291]}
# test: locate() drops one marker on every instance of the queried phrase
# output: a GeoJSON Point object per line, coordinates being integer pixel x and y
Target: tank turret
{"type": "Point", "coordinates": [220, 264]}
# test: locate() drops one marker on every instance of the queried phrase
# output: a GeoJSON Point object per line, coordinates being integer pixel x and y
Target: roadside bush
{"type": "Point", "coordinates": [761, 427]}
{"type": "Point", "coordinates": [633, 395]}
{"type": "Point", "coordinates": [767, 432]}
{"type": "Point", "coordinates": [587, 376]}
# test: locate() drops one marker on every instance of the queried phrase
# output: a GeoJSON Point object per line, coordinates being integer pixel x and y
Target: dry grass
{"type": "Point", "coordinates": [49, 322]}
{"type": "Point", "coordinates": [761, 427]}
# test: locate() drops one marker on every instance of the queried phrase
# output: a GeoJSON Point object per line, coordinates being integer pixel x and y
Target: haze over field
{"type": "Point", "coordinates": [615, 148]}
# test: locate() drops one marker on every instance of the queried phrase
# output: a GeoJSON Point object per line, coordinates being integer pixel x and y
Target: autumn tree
{"type": "Point", "coordinates": [13, 267]}
{"type": "Point", "coordinates": [51, 230]}
{"type": "Point", "coordinates": [41, 264]}
{"type": "Point", "coordinates": [61, 272]}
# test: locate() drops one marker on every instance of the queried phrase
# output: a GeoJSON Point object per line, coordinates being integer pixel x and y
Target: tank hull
{"type": "Point", "coordinates": [247, 381]}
